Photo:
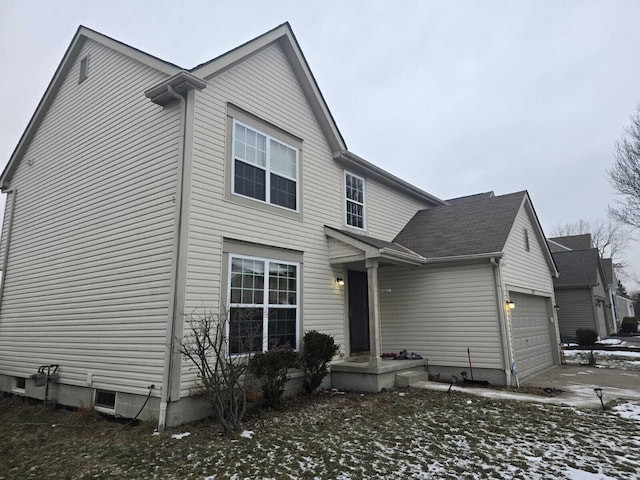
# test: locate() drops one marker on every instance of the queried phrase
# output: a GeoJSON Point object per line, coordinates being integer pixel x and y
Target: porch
{"type": "Point", "coordinates": [361, 376]}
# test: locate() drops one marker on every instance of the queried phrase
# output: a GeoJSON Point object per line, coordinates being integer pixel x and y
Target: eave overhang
{"type": "Point", "coordinates": [180, 83]}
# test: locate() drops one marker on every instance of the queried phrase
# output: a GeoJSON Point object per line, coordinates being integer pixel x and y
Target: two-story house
{"type": "Point", "coordinates": [141, 192]}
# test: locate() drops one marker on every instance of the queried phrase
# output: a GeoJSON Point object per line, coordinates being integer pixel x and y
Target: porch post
{"type": "Point", "coordinates": [375, 344]}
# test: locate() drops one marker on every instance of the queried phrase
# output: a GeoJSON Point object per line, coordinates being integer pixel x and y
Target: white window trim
{"type": "Point", "coordinates": [265, 304]}
{"type": "Point", "coordinates": [364, 199]}
{"type": "Point", "coordinates": [266, 168]}
{"type": "Point", "coordinates": [99, 408]}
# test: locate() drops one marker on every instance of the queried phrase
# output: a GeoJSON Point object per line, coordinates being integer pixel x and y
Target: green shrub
{"type": "Point", "coordinates": [319, 349]}
{"type": "Point", "coordinates": [629, 325]}
{"type": "Point", "coordinates": [586, 336]}
{"type": "Point", "coordinates": [272, 369]}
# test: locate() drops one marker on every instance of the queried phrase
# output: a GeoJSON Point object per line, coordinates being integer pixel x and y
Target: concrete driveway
{"type": "Point", "coordinates": [578, 382]}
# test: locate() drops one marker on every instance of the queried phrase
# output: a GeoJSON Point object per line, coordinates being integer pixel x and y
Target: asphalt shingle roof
{"type": "Point", "coordinates": [465, 228]}
{"type": "Point", "coordinates": [575, 242]}
{"type": "Point", "coordinates": [578, 267]}
{"type": "Point", "coordinates": [471, 198]}
{"type": "Point", "coordinates": [375, 242]}
{"type": "Point", "coordinates": [607, 267]}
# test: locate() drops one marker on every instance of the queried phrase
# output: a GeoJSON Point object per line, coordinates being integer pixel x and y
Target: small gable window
{"type": "Point", "coordinates": [84, 69]}
{"type": "Point", "coordinates": [527, 247]}
{"type": "Point", "coordinates": [354, 193]}
{"type": "Point", "coordinates": [264, 168]}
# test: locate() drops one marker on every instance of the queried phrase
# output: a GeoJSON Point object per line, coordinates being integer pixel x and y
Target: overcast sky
{"type": "Point", "coordinates": [455, 97]}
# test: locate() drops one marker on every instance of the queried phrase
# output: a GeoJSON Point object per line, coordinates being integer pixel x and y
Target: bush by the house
{"type": "Point", "coordinates": [586, 336]}
{"type": "Point", "coordinates": [319, 349]}
{"type": "Point", "coordinates": [272, 368]}
{"type": "Point", "coordinates": [629, 325]}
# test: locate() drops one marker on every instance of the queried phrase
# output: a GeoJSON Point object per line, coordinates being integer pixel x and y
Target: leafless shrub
{"type": "Point", "coordinates": [223, 377]}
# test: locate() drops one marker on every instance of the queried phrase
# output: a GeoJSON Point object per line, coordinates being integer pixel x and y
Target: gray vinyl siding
{"type": "Point", "coordinates": [522, 268]}
{"type": "Point", "coordinates": [340, 249]}
{"type": "Point", "coordinates": [440, 312]}
{"type": "Point", "coordinates": [576, 310]}
{"type": "Point", "coordinates": [265, 86]}
{"type": "Point", "coordinates": [87, 285]}
{"type": "Point", "coordinates": [5, 227]}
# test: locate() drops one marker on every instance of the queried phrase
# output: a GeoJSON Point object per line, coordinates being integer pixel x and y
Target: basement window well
{"type": "Point", "coordinates": [19, 384]}
{"type": "Point", "coordinates": [105, 401]}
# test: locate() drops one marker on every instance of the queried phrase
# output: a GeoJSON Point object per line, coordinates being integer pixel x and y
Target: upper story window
{"type": "Point", "coordinates": [354, 194]}
{"type": "Point", "coordinates": [264, 168]}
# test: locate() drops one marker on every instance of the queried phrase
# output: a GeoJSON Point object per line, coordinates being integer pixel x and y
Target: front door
{"type": "Point", "coordinates": [358, 312]}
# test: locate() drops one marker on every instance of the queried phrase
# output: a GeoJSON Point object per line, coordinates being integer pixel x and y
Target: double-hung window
{"type": "Point", "coordinates": [263, 304]}
{"type": "Point", "coordinates": [264, 168]}
{"type": "Point", "coordinates": [354, 193]}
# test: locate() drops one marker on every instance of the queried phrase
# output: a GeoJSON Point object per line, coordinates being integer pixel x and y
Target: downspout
{"type": "Point", "coordinates": [167, 373]}
{"type": "Point", "coordinates": [507, 358]}
{"type": "Point", "coordinates": [5, 258]}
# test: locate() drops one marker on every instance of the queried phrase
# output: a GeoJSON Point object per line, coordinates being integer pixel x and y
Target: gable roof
{"type": "Point", "coordinates": [556, 247]}
{"type": "Point", "coordinates": [284, 37]}
{"type": "Point", "coordinates": [575, 242]}
{"type": "Point", "coordinates": [467, 228]}
{"type": "Point", "coordinates": [577, 268]}
{"type": "Point", "coordinates": [81, 36]}
{"type": "Point", "coordinates": [469, 198]}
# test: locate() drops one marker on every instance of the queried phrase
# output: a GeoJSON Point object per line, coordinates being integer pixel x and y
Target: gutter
{"type": "Point", "coordinates": [407, 257]}
{"type": "Point", "coordinates": [507, 350]}
{"type": "Point", "coordinates": [167, 372]}
{"type": "Point", "coordinates": [464, 258]}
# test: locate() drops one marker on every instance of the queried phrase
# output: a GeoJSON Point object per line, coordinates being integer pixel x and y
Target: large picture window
{"type": "Point", "coordinates": [263, 304]}
{"type": "Point", "coordinates": [264, 168]}
{"type": "Point", "coordinates": [354, 193]}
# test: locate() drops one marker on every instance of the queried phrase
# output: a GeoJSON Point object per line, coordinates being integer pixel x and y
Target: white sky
{"type": "Point", "coordinates": [457, 97]}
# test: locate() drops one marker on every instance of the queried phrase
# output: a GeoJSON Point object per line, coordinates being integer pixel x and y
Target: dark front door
{"type": "Point", "coordinates": [358, 312]}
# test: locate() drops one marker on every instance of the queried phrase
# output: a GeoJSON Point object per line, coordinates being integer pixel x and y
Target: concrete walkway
{"type": "Point", "coordinates": [577, 384]}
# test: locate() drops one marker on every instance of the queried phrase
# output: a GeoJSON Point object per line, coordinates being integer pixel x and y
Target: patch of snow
{"type": "Point", "coordinates": [609, 341]}
{"type": "Point", "coordinates": [180, 436]}
{"type": "Point", "coordinates": [469, 402]}
{"type": "Point", "coordinates": [575, 474]}
{"type": "Point", "coordinates": [247, 434]}
{"type": "Point", "coordinates": [210, 477]}
{"type": "Point", "coordinates": [401, 394]}
{"type": "Point", "coordinates": [628, 410]}
{"type": "Point", "coordinates": [602, 353]}
{"type": "Point", "coordinates": [156, 433]}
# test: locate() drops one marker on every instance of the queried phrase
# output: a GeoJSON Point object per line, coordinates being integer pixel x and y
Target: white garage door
{"type": "Point", "coordinates": [531, 334]}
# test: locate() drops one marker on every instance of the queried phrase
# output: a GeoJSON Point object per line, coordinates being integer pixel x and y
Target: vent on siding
{"type": "Point", "coordinates": [105, 400]}
{"type": "Point", "coordinates": [84, 69]}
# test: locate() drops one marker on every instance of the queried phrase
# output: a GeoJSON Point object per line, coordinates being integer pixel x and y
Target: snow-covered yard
{"type": "Point", "coordinates": [396, 434]}
{"type": "Point", "coordinates": [623, 360]}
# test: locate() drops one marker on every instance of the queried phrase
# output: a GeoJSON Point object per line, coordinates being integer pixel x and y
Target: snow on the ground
{"type": "Point", "coordinates": [247, 434]}
{"type": "Point", "coordinates": [603, 353]}
{"type": "Point", "coordinates": [609, 341]}
{"type": "Point", "coordinates": [630, 410]}
{"type": "Point", "coordinates": [180, 436]}
{"type": "Point", "coordinates": [575, 474]}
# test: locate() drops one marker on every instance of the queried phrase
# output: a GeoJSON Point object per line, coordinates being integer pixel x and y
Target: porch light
{"type": "Point", "coordinates": [510, 304]}
{"type": "Point", "coordinates": [340, 281]}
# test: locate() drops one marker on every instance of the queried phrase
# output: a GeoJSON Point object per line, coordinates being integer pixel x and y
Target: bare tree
{"type": "Point", "coordinates": [610, 238]}
{"type": "Point", "coordinates": [625, 174]}
{"type": "Point", "coordinates": [223, 377]}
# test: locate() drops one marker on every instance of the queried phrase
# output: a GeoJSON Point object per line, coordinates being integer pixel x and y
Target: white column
{"type": "Point", "coordinates": [375, 343]}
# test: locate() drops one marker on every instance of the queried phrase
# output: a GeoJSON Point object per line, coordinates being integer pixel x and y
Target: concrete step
{"type": "Point", "coordinates": [406, 379]}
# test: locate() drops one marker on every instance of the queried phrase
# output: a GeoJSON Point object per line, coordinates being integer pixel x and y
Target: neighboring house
{"type": "Point", "coordinates": [581, 289]}
{"type": "Point", "coordinates": [625, 307]}
{"type": "Point", "coordinates": [612, 300]}
{"type": "Point", "coordinates": [141, 192]}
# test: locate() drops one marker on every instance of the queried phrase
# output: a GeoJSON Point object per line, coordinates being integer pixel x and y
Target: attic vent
{"type": "Point", "coordinates": [105, 400]}
{"type": "Point", "coordinates": [527, 246]}
{"type": "Point", "coordinates": [84, 69]}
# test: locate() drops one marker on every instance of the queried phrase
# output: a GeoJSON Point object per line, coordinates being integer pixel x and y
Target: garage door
{"type": "Point", "coordinates": [531, 334]}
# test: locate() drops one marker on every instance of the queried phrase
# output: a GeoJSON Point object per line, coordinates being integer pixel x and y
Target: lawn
{"type": "Point", "coordinates": [396, 434]}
